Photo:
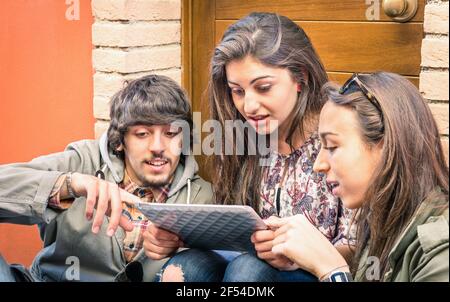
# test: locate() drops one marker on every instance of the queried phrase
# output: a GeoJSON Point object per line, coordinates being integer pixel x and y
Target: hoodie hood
{"type": "Point", "coordinates": [184, 173]}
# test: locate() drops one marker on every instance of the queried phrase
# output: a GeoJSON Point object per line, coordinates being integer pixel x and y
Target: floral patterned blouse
{"type": "Point", "coordinates": [303, 191]}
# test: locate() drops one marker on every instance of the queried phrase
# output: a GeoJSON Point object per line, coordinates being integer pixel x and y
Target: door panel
{"type": "Point", "coordinates": [354, 46]}
{"type": "Point", "coordinates": [325, 10]}
{"type": "Point", "coordinates": [341, 77]}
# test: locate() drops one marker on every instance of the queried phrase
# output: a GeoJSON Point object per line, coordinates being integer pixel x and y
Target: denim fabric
{"type": "Point", "coordinates": [226, 266]}
{"type": "Point", "coordinates": [5, 271]}
{"type": "Point", "coordinates": [198, 265]}
{"type": "Point", "coordinates": [249, 268]}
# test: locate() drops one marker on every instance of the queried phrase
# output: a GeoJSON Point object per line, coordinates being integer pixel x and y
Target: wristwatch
{"type": "Point", "coordinates": [338, 276]}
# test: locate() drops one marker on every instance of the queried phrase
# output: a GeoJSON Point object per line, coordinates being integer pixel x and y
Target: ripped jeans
{"type": "Point", "coordinates": [227, 266]}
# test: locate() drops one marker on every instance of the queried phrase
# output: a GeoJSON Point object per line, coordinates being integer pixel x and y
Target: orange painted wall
{"type": "Point", "coordinates": [45, 92]}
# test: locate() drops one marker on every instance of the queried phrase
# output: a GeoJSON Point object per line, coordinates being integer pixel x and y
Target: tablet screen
{"type": "Point", "coordinates": [212, 227]}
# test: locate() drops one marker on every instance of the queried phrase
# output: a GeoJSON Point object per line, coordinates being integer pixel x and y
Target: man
{"type": "Point", "coordinates": [140, 160]}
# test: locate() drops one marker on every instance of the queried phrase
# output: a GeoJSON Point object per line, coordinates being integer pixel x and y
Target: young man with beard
{"type": "Point", "coordinates": [81, 196]}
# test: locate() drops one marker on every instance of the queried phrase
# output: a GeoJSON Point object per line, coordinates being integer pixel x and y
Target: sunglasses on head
{"type": "Point", "coordinates": [355, 82]}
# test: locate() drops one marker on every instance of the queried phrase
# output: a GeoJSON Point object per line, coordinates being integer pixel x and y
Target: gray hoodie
{"type": "Point", "coordinates": [67, 237]}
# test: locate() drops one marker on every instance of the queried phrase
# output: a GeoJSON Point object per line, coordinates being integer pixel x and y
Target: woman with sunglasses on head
{"type": "Point", "coordinates": [382, 154]}
{"type": "Point", "coordinates": [266, 74]}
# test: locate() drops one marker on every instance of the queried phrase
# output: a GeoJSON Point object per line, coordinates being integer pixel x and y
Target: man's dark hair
{"type": "Point", "coordinates": [149, 100]}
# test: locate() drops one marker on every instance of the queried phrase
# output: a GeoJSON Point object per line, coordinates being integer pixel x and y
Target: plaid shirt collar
{"type": "Point", "coordinates": [146, 194]}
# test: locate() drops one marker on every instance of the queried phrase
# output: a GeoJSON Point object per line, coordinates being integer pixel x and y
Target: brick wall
{"type": "Point", "coordinates": [132, 38]}
{"type": "Point", "coordinates": [434, 74]}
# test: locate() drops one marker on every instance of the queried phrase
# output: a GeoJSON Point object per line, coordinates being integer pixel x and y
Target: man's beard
{"type": "Point", "coordinates": [155, 183]}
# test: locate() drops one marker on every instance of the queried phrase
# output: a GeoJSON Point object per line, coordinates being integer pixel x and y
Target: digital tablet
{"type": "Point", "coordinates": [212, 227]}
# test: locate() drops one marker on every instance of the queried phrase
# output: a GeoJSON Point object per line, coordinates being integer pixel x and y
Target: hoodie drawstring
{"type": "Point", "coordinates": [101, 172]}
{"type": "Point", "coordinates": [188, 200]}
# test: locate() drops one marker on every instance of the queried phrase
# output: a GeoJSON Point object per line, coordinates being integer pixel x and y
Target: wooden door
{"type": "Point", "coordinates": [346, 34]}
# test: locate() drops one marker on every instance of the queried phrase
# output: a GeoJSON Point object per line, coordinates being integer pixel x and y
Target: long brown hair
{"type": "Point", "coordinates": [276, 41]}
{"type": "Point", "coordinates": [412, 162]}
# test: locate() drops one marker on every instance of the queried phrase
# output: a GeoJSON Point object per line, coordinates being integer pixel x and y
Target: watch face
{"type": "Point", "coordinates": [338, 277]}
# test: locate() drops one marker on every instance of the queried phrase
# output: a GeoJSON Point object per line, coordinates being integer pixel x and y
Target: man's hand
{"type": "Point", "coordinates": [263, 242]}
{"type": "Point", "coordinates": [106, 198]}
{"type": "Point", "coordinates": [159, 243]}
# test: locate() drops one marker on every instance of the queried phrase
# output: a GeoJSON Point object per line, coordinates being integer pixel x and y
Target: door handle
{"type": "Point", "coordinates": [400, 10]}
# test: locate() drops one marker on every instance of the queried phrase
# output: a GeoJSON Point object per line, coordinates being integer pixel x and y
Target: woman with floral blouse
{"type": "Point", "coordinates": [266, 73]}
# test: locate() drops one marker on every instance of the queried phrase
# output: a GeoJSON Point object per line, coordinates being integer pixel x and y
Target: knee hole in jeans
{"type": "Point", "coordinates": [172, 273]}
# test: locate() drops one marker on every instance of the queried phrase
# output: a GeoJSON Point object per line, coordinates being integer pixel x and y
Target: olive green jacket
{"type": "Point", "coordinates": [421, 252]}
{"type": "Point", "coordinates": [70, 250]}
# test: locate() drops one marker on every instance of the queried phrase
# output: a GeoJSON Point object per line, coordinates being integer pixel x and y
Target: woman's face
{"type": "Point", "coordinates": [264, 95]}
{"type": "Point", "coordinates": [345, 158]}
